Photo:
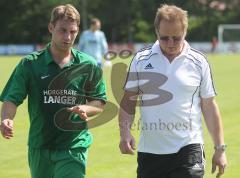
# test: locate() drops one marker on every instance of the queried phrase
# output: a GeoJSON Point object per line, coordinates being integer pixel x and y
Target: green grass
{"type": "Point", "coordinates": [105, 160]}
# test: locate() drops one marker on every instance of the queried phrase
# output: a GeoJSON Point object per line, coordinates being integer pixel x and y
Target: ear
{"type": "Point", "coordinates": [50, 27]}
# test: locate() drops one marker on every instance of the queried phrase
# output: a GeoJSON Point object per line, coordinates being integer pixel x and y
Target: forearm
{"type": "Point", "coordinates": [8, 110]}
{"type": "Point", "coordinates": [213, 121]}
{"type": "Point", "coordinates": [94, 107]}
{"type": "Point", "coordinates": [125, 121]}
{"type": "Point", "coordinates": [7, 114]}
{"type": "Point", "coordinates": [214, 124]}
{"type": "Point", "coordinates": [127, 113]}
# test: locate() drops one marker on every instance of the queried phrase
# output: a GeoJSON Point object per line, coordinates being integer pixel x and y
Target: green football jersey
{"type": "Point", "coordinates": [51, 90]}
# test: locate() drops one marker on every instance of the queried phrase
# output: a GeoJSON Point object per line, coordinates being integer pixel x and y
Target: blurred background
{"type": "Point", "coordinates": [213, 25]}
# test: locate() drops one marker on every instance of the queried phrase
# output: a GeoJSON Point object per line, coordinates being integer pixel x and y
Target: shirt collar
{"type": "Point", "coordinates": [49, 58]}
{"type": "Point", "coordinates": [186, 49]}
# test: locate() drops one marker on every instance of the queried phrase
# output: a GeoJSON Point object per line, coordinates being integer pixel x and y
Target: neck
{"type": "Point", "coordinates": [171, 57]}
{"type": "Point", "coordinates": [59, 56]}
{"type": "Point", "coordinates": [93, 29]}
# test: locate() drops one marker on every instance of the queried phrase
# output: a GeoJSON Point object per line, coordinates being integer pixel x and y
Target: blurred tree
{"type": "Point", "coordinates": [206, 15]}
{"type": "Point", "coordinates": [25, 21]}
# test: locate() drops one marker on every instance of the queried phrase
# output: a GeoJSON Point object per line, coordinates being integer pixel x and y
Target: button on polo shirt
{"type": "Point", "coordinates": [50, 89]}
{"type": "Point", "coordinates": [170, 95]}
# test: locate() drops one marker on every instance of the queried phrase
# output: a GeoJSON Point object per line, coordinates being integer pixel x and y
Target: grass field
{"type": "Point", "coordinates": [105, 160]}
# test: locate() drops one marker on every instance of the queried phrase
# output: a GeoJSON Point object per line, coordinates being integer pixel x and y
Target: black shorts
{"type": "Point", "coordinates": [189, 162]}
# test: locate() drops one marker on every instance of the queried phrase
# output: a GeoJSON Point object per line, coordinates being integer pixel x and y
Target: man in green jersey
{"type": "Point", "coordinates": [64, 88]}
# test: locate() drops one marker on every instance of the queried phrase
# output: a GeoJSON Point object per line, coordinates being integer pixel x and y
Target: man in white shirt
{"type": "Point", "coordinates": [174, 85]}
{"type": "Point", "coordinates": [93, 41]}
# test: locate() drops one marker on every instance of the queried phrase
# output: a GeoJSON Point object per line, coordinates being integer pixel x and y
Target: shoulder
{"type": "Point", "coordinates": [144, 53]}
{"type": "Point", "coordinates": [34, 56]}
{"type": "Point", "coordinates": [85, 32]}
{"type": "Point", "coordinates": [101, 32]}
{"type": "Point", "coordinates": [83, 57]}
{"type": "Point", "coordinates": [197, 56]}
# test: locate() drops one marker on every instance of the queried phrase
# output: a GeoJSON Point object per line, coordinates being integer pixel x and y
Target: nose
{"type": "Point", "coordinates": [170, 41]}
{"type": "Point", "coordinates": [67, 36]}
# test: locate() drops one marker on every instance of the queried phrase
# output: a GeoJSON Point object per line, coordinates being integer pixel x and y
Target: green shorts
{"type": "Point", "coordinates": [45, 163]}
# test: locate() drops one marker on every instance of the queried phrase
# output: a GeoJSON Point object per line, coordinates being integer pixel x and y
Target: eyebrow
{"type": "Point", "coordinates": [167, 38]}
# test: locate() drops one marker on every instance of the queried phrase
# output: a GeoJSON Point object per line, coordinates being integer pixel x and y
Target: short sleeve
{"type": "Point", "coordinates": [207, 88]}
{"type": "Point", "coordinates": [16, 87]}
{"type": "Point", "coordinates": [95, 88]}
{"type": "Point", "coordinates": [132, 83]}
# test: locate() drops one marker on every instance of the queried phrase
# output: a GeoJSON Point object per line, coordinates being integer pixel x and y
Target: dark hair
{"type": "Point", "coordinates": [94, 21]}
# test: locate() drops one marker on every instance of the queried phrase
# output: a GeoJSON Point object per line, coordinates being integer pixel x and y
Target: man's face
{"type": "Point", "coordinates": [96, 26]}
{"type": "Point", "coordinates": [64, 33]}
{"type": "Point", "coordinates": [171, 37]}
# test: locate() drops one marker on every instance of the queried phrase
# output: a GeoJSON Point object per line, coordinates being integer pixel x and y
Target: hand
{"type": "Point", "coordinates": [6, 128]}
{"type": "Point", "coordinates": [81, 110]}
{"type": "Point", "coordinates": [127, 144]}
{"type": "Point", "coordinates": [219, 160]}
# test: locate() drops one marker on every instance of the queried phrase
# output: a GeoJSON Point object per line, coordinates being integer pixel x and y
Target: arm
{"type": "Point", "coordinates": [87, 110]}
{"type": "Point", "coordinates": [126, 117]}
{"type": "Point", "coordinates": [104, 45]}
{"type": "Point", "coordinates": [214, 124]}
{"type": "Point", "coordinates": [95, 91]}
{"type": "Point", "coordinates": [7, 114]}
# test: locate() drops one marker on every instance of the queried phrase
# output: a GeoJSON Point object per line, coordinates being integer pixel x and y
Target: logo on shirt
{"type": "Point", "coordinates": [149, 66]}
{"type": "Point", "coordinates": [198, 166]}
{"type": "Point", "coordinates": [68, 97]}
{"type": "Point", "coordinates": [44, 76]}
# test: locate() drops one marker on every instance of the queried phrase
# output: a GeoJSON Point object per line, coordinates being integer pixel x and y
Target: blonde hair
{"type": "Point", "coordinates": [66, 12]}
{"type": "Point", "coordinates": [171, 13]}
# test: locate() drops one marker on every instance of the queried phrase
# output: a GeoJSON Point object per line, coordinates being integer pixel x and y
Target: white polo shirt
{"type": "Point", "coordinates": [170, 95]}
